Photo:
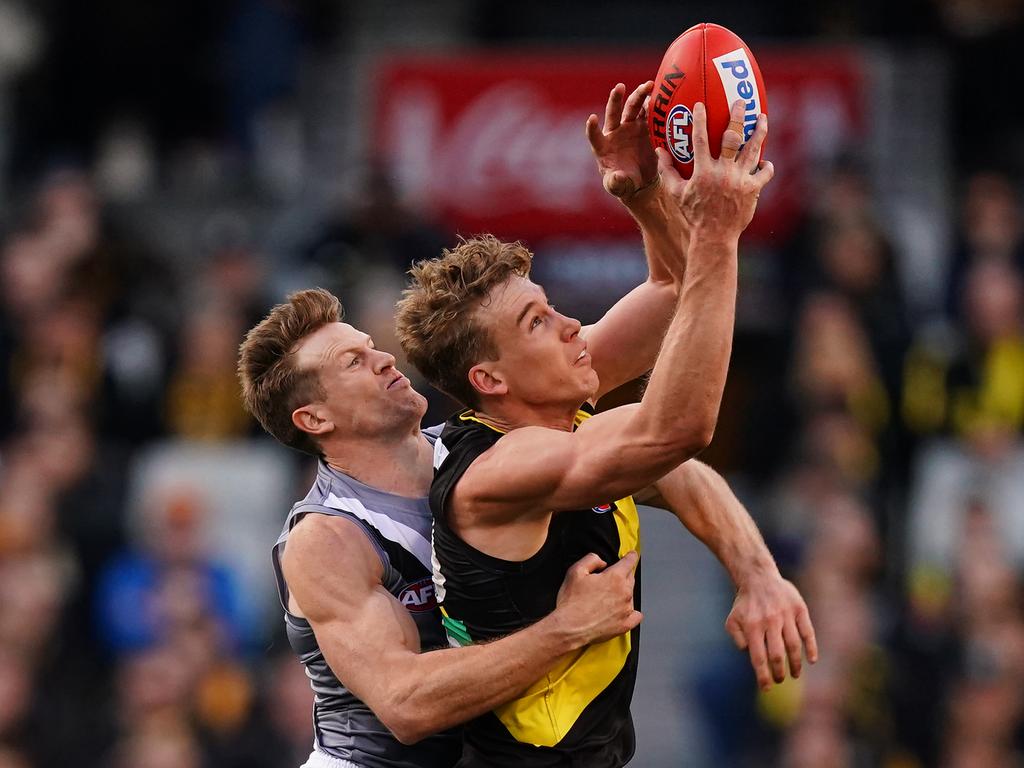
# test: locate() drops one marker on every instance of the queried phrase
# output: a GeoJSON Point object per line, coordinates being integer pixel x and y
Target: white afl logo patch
{"type": "Point", "coordinates": [419, 597]}
{"type": "Point", "coordinates": [678, 130]}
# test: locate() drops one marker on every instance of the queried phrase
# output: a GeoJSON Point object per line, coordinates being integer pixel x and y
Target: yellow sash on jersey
{"type": "Point", "coordinates": [543, 715]}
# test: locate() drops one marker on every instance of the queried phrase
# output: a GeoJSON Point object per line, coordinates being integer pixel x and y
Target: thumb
{"type": "Point", "coordinates": [589, 563]}
{"type": "Point", "coordinates": [664, 160]}
{"type": "Point", "coordinates": [666, 168]}
{"type": "Point", "coordinates": [626, 563]}
{"type": "Point", "coordinates": [619, 184]}
{"type": "Point", "coordinates": [732, 626]}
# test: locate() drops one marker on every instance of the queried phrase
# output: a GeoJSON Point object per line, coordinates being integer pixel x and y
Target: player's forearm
{"type": "Point", "coordinates": [680, 406]}
{"type": "Point", "coordinates": [705, 504]}
{"type": "Point", "coordinates": [437, 690]}
{"type": "Point", "coordinates": [624, 343]}
{"type": "Point", "coordinates": [664, 234]}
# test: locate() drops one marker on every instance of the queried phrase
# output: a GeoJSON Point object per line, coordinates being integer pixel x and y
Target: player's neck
{"type": "Point", "coordinates": [507, 415]}
{"type": "Point", "coordinates": [402, 466]}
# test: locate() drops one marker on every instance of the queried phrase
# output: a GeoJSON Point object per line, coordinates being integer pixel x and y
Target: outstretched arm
{"type": "Point", "coordinates": [624, 343]}
{"type": "Point", "coordinates": [769, 618]}
{"type": "Point", "coordinates": [372, 645]}
{"type": "Point", "coordinates": [534, 470]}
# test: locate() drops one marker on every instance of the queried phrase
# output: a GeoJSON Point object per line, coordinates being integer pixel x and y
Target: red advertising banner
{"type": "Point", "coordinates": [494, 142]}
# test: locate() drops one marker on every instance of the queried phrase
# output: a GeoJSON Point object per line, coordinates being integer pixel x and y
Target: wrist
{"type": "Point", "coordinates": [563, 634]}
{"type": "Point", "coordinates": [755, 569]}
{"type": "Point", "coordinates": [709, 233]}
{"type": "Point", "coordinates": [646, 201]}
{"type": "Point", "coordinates": [659, 219]}
{"type": "Point", "coordinates": [711, 245]}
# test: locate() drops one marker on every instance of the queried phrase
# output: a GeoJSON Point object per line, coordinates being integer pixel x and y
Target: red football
{"type": "Point", "coordinates": [706, 63]}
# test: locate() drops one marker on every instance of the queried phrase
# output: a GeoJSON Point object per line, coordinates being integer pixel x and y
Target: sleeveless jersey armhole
{"type": "Point", "coordinates": [298, 514]}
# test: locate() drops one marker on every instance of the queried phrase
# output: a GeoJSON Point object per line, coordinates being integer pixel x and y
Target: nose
{"type": "Point", "coordinates": [571, 326]}
{"type": "Point", "coordinates": [382, 361]}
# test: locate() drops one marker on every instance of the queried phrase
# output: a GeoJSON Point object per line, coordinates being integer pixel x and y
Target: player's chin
{"type": "Point", "coordinates": [418, 401]}
{"type": "Point", "coordinates": [589, 383]}
{"type": "Point", "coordinates": [410, 400]}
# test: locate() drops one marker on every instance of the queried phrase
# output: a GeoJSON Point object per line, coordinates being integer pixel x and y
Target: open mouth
{"type": "Point", "coordinates": [583, 354]}
{"type": "Point", "coordinates": [397, 381]}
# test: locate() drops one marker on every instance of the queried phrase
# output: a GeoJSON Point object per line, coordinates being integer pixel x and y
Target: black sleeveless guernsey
{"type": "Point", "coordinates": [577, 714]}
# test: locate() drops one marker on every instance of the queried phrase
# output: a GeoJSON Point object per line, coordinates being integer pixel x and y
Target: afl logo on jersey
{"type": "Point", "coordinates": [419, 597]}
{"type": "Point", "coordinates": [602, 508]}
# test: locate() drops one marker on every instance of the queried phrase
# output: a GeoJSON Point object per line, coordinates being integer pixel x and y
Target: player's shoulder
{"type": "Point", "coordinates": [465, 433]}
{"type": "Point", "coordinates": [329, 541]}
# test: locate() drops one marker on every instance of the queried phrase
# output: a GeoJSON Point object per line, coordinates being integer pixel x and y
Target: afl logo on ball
{"type": "Point", "coordinates": [678, 128]}
{"type": "Point", "coordinates": [419, 597]}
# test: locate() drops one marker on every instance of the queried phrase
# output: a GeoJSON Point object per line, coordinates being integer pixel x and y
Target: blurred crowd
{"type": "Point", "coordinates": [122, 645]}
{"type": "Point", "coordinates": [887, 471]}
{"type": "Point", "coordinates": [877, 442]}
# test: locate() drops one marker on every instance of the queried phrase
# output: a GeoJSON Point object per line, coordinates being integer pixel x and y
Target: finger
{"type": "Point", "coordinates": [635, 102]}
{"type": "Point", "coordinates": [759, 660]}
{"type": "Point", "coordinates": [751, 152]}
{"type": "Point", "coordinates": [666, 168]}
{"type": "Point", "coordinates": [613, 109]}
{"type": "Point", "coordinates": [619, 184]}
{"type": "Point", "coordinates": [733, 136]}
{"type": "Point", "coordinates": [776, 653]}
{"type": "Point", "coordinates": [626, 563]}
{"type": "Point", "coordinates": [806, 629]}
{"type": "Point", "coordinates": [765, 173]}
{"type": "Point", "coordinates": [736, 633]}
{"type": "Point", "coordinates": [589, 563]}
{"type": "Point", "coordinates": [701, 150]}
{"type": "Point", "coordinates": [594, 135]}
{"type": "Point", "coordinates": [664, 160]}
{"type": "Point", "coordinates": [791, 637]}
{"type": "Point", "coordinates": [634, 620]}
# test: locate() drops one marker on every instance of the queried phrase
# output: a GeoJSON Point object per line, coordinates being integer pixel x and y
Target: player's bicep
{"type": "Point", "coordinates": [366, 644]}
{"type": "Point", "coordinates": [536, 469]}
{"type": "Point", "coordinates": [334, 575]}
{"type": "Point", "coordinates": [519, 471]}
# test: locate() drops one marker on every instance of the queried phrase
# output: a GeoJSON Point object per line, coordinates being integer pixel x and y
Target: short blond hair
{"type": "Point", "coordinates": [436, 322]}
{"type": "Point", "coordinates": [272, 384]}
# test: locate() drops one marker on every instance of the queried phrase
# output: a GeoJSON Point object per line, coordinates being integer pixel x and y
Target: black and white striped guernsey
{"type": "Point", "coordinates": [399, 529]}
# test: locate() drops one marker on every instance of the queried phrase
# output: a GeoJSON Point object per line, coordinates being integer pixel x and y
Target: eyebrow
{"type": "Point", "coordinates": [353, 350]}
{"type": "Point", "coordinates": [526, 309]}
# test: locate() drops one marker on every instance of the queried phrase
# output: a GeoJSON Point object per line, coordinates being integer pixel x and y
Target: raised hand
{"type": "Point", "coordinates": [721, 195]}
{"type": "Point", "coordinates": [622, 147]}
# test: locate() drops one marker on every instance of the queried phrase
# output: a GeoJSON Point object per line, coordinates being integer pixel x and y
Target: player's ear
{"type": "Point", "coordinates": [312, 420]}
{"type": "Point", "coordinates": [487, 381]}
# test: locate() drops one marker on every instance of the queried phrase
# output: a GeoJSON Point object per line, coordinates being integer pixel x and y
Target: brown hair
{"type": "Point", "coordinates": [272, 385]}
{"type": "Point", "coordinates": [436, 321]}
